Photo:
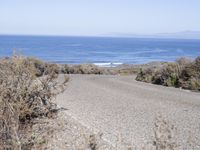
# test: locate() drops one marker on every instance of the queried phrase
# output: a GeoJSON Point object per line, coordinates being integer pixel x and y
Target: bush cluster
{"type": "Point", "coordinates": [183, 73]}
{"type": "Point", "coordinates": [43, 68]}
{"type": "Point", "coordinates": [23, 98]}
{"type": "Point", "coordinates": [81, 69]}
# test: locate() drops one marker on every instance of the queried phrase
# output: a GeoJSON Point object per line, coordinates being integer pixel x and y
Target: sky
{"type": "Point", "coordinates": [98, 17]}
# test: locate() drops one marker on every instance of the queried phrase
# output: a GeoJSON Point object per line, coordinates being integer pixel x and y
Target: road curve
{"type": "Point", "coordinates": [119, 105]}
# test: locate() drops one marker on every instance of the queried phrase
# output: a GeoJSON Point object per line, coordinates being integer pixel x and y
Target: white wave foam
{"type": "Point", "coordinates": [108, 64]}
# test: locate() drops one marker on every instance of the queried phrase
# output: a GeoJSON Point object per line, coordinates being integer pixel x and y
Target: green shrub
{"type": "Point", "coordinates": [145, 75]}
{"type": "Point", "coordinates": [170, 74]}
{"type": "Point", "coordinates": [172, 80]}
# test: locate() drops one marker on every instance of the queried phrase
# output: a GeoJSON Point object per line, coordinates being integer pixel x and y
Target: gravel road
{"type": "Point", "coordinates": [119, 106]}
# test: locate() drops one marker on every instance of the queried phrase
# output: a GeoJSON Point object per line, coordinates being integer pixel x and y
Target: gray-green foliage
{"type": "Point", "coordinates": [182, 73]}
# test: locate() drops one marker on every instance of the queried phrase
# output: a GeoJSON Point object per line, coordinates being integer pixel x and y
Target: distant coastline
{"type": "Point", "coordinates": [183, 35]}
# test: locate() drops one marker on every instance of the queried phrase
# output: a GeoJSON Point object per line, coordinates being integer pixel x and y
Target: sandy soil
{"type": "Point", "coordinates": [119, 106]}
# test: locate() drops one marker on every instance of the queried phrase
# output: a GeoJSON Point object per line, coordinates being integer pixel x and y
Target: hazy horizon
{"type": "Point", "coordinates": [98, 18]}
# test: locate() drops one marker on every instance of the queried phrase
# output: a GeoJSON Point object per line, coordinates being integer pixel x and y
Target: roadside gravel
{"type": "Point", "coordinates": [119, 106]}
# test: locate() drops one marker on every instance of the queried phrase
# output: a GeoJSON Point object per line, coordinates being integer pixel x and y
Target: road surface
{"type": "Point", "coordinates": [120, 107]}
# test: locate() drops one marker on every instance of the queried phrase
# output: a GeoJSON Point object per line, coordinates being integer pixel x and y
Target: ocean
{"type": "Point", "coordinates": [102, 51]}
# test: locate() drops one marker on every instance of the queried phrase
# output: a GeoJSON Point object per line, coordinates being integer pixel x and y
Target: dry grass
{"type": "Point", "coordinates": [24, 97]}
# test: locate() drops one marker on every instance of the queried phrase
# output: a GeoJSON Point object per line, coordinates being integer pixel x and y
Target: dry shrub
{"type": "Point", "coordinates": [43, 68]}
{"type": "Point", "coordinates": [164, 134]}
{"type": "Point", "coordinates": [81, 69]}
{"type": "Point", "coordinates": [23, 97]}
{"type": "Point", "coordinates": [190, 76]}
{"type": "Point", "coordinates": [182, 73]}
{"type": "Point", "coordinates": [93, 69]}
{"type": "Point", "coordinates": [183, 61]}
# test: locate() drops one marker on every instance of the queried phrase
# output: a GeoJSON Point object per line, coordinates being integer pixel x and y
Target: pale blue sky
{"type": "Point", "coordinates": [98, 17]}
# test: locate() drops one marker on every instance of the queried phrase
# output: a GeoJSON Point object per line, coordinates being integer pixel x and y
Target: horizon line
{"type": "Point", "coordinates": [104, 36]}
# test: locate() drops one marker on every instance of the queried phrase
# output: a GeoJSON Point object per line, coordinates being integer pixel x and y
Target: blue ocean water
{"type": "Point", "coordinates": [99, 50]}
